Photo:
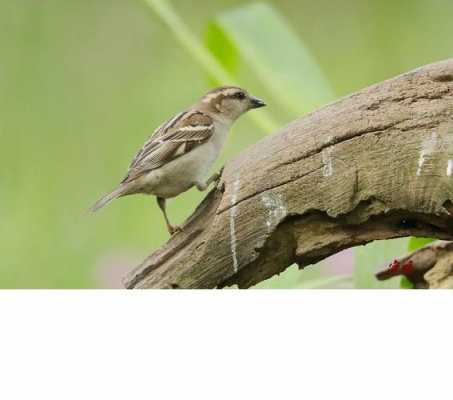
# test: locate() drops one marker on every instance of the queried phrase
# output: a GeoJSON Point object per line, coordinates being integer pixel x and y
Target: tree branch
{"type": "Point", "coordinates": [430, 267]}
{"type": "Point", "coordinates": [375, 165]}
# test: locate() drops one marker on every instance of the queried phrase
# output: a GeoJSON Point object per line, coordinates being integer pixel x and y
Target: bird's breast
{"type": "Point", "coordinates": [181, 174]}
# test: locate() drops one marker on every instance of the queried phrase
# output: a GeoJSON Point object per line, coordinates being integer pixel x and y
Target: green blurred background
{"type": "Point", "coordinates": [84, 82]}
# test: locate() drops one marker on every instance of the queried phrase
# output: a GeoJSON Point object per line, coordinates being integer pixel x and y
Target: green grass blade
{"type": "Point", "coordinates": [222, 48]}
{"type": "Point", "coordinates": [188, 40]}
{"type": "Point", "coordinates": [279, 58]}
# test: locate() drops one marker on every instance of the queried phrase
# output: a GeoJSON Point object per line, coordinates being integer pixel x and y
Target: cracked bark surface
{"type": "Point", "coordinates": [375, 165]}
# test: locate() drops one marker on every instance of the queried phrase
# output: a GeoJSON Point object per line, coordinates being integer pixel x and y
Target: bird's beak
{"type": "Point", "coordinates": [256, 103]}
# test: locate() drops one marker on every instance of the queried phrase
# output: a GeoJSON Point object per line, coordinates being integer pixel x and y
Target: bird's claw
{"type": "Point", "coordinates": [219, 184]}
{"type": "Point", "coordinates": [173, 230]}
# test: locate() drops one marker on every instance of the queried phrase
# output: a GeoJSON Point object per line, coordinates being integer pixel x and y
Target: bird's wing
{"type": "Point", "coordinates": [172, 139]}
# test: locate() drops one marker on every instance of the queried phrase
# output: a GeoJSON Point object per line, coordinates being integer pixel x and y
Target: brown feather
{"type": "Point", "coordinates": [191, 128]}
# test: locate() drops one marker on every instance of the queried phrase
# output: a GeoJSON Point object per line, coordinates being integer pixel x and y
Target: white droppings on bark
{"type": "Point", "coordinates": [276, 209]}
{"type": "Point", "coordinates": [421, 161]}
{"type": "Point", "coordinates": [429, 146]}
{"type": "Point", "coordinates": [233, 211]}
{"type": "Point", "coordinates": [449, 167]}
{"type": "Point", "coordinates": [326, 156]}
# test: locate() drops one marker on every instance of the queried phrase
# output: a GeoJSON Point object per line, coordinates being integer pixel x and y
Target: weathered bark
{"type": "Point", "coordinates": [430, 267]}
{"type": "Point", "coordinates": [375, 165]}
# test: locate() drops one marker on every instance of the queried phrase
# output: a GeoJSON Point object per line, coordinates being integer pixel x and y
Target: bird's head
{"type": "Point", "coordinates": [230, 101]}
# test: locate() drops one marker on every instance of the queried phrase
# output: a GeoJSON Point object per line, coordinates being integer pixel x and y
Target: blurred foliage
{"type": "Point", "coordinates": [222, 48]}
{"type": "Point", "coordinates": [83, 83]}
{"type": "Point", "coordinates": [376, 256]}
{"type": "Point", "coordinates": [200, 54]}
{"type": "Point", "coordinates": [406, 283]}
{"type": "Point", "coordinates": [416, 243]}
{"type": "Point", "coordinates": [275, 55]}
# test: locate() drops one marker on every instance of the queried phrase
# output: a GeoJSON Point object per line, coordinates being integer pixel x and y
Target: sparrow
{"type": "Point", "coordinates": [180, 152]}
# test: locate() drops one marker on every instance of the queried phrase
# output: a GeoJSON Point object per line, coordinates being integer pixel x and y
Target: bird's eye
{"type": "Point", "coordinates": [239, 96]}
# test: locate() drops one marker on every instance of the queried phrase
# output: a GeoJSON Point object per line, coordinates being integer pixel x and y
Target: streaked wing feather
{"type": "Point", "coordinates": [172, 139]}
{"type": "Point", "coordinates": [156, 138]}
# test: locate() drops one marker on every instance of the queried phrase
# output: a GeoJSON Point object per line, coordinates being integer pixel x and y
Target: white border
{"type": "Point", "coordinates": [327, 344]}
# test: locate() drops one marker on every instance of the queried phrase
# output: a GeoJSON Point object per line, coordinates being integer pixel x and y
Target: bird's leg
{"type": "Point", "coordinates": [171, 229]}
{"type": "Point", "coordinates": [202, 186]}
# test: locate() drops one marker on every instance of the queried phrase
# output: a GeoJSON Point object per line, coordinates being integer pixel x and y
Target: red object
{"type": "Point", "coordinates": [394, 266]}
{"type": "Point", "coordinates": [407, 268]}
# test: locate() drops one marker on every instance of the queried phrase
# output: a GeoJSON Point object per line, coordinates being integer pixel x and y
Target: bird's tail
{"type": "Point", "coordinates": [118, 192]}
